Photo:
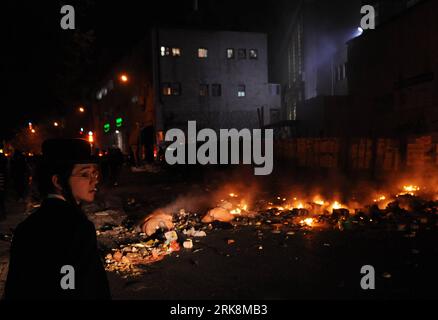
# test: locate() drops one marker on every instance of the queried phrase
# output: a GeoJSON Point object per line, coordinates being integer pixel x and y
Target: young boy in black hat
{"type": "Point", "coordinates": [54, 251]}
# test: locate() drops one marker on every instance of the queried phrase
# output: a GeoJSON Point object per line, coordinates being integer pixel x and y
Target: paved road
{"type": "Point", "coordinates": [305, 265]}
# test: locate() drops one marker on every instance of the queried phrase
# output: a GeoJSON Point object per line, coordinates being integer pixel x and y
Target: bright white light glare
{"type": "Point", "coordinates": [360, 31]}
{"type": "Point", "coordinates": [117, 131]}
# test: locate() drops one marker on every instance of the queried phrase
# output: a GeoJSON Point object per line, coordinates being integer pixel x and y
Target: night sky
{"type": "Point", "coordinates": [47, 70]}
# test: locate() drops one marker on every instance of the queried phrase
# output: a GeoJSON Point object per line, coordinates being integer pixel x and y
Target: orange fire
{"type": "Point", "coordinates": [409, 190]}
{"type": "Point", "coordinates": [307, 222]}
{"type": "Point", "coordinates": [336, 205]}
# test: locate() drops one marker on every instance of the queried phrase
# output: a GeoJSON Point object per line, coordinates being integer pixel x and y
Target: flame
{"type": "Point", "coordinates": [336, 205]}
{"type": "Point", "coordinates": [308, 222]}
{"type": "Point", "coordinates": [300, 206]}
{"type": "Point", "coordinates": [409, 189]}
{"type": "Point", "coordinates": [319, 202]}
{"type": "Point", "coordinates": [380, 198]}
{"type": "Point", "coordinates": [233, 195]}
{"type": "Point", "coordinates": [235, 211]}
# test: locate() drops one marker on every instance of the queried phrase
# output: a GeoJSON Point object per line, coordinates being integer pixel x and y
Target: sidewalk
{"type": "Point", "coordinates": [16, 214]}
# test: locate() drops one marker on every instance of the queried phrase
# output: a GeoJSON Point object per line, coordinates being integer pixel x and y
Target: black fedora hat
{"type": "Point", "coordinates": [69, 151]}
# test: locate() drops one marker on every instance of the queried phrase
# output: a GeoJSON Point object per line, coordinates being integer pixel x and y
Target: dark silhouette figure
{"type": "Point", "coordinates": [3, 177]}
{"type": "Point", "coordinates": [19, 174]}
{"type": "Point", "coordinates": [115, 162]}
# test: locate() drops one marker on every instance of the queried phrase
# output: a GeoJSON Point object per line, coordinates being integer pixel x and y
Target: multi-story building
{"type": "Point", "coordinates": [308, 50]}
{"type": "Point", "coordinates": [218, 78]}
{"type": "Point", "coordinates": [124, 101]}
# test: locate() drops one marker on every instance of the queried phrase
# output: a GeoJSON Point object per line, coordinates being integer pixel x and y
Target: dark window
{"type": "Point", "coordinates": [230, 53]}
{"type": "Point", "coordinates": [253, 54]}
{"type": "Point", "coordinates": [203, 90]}
{"type": "Point", "coordinates": [176, 89]}
{"type": "Point", "coordinates": [216, 90]}
{"type": "Point", "coordinates": [241, 53]}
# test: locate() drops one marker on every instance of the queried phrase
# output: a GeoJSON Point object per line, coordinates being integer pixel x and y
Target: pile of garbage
{"type": "Point", "coordinates": [131, 248]}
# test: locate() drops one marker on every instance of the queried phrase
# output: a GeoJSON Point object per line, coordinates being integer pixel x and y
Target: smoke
{"type": "Point", "coordinates": [240, 186]}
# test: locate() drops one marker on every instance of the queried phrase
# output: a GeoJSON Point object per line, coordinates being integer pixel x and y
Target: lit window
{"type": "Point", "coordinates": [230, 53]}
{"type": "Point", "coordinates": [166, 89]}
{"type": "Point", "coordinates": [176, 52]}
{"type": "Point", "coordinates": [165, 51]}
{"type": "Point", "coordinates": [241, 53]}
{"type": "Point", "coordinates": [253, 54]}
{"type": "Point", "coordinates": [274, 89]}
{"type": "Point", "coordinates": [216, 90]}
{"type": "Point", "coordinates": [202, 53]}
{"type": "Point", "coordinates": [241, 91]}
{"type": "Point", "coordinates": [176, 89]}
{"type": "Point", "coordinates": [203, 90]}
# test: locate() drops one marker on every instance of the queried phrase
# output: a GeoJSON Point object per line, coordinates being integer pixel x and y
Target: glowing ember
{"type": "Point", "coordinates": [233, 195]}
{"type": "Point", "coordinates": [236, 211]}
{"type": "Point", "coordinates": [300, 206]}
{"type": "Point", "coordinates": [381, 198]}
{"type": "Point", "coordinates": [409, 189]}
{"type": "Point", "coordinates": [319, 202]}
{"type": "Point", "coordinates": [308, 222]}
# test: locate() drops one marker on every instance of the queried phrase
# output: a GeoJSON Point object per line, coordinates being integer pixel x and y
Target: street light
{"type": "Point", "coordinates": [55, 124]}
{"type": "Point", "coordinates": [124, 78]}
{"type": "Point", "coordinates": [33, 130]}
{"type": "Point", "coordinates": [81, 109]}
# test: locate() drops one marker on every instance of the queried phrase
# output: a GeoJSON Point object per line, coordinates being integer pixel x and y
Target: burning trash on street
{"type": "Point", "coordinates": [130, 248]}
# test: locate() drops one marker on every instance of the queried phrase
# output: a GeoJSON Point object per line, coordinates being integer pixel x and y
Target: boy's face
{"type": "Point", "coordinates": [83, 181]}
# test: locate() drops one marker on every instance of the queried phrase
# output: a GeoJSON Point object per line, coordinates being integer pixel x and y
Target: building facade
{"type": "Point", "coordinates": [309, 52]}
{"type": "Point", "coordinates": [218, 78]}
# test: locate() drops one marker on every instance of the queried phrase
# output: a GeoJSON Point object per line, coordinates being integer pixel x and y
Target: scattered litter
{"type": "Point", "coordinates": [194, 233]}
{"type": "Point", "coordinates": [188, 244]}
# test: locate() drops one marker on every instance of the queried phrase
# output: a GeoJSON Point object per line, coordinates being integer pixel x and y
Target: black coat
{"type": "Point", "coordinates": [55, 235]}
